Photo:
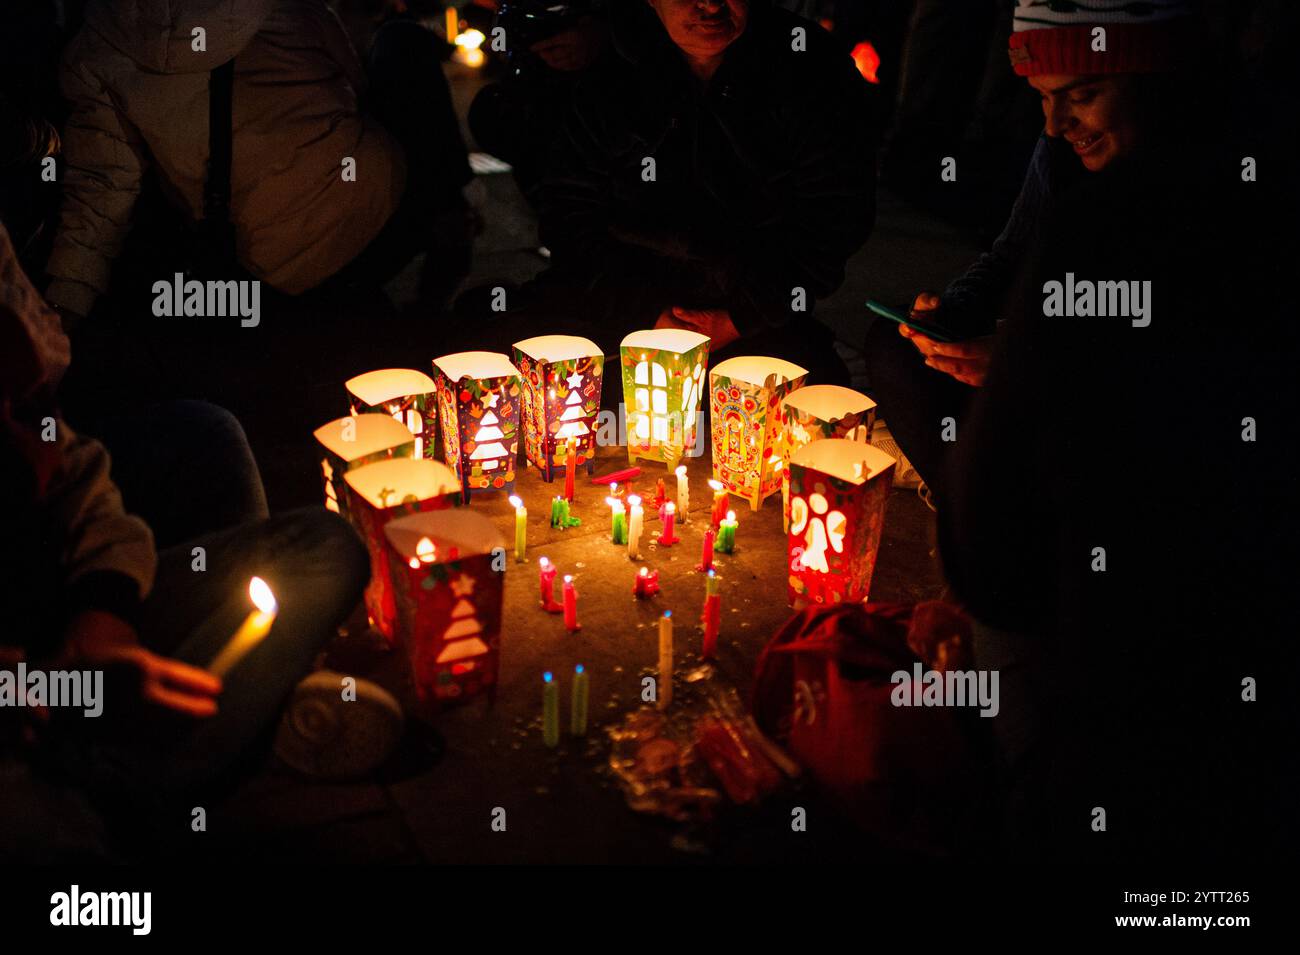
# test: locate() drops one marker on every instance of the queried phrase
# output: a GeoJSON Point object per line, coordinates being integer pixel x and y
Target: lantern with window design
{"type": "Point", "coordinates": [745, 398]}
{"type": "Point", "coordinates": [403, 393]}
{"type": "Point", "coordinates": [479, 397]}
{"type": "Point", "coordinates": [449, 600]}
{"type": "Point", "coordinates": [663, 384]}
{"type": "Point", "coordinates": [354, 442]}
{"type": "Point", "coordinates": [838, 490]}
{"type": "Point", "coordinates": [822, 411]}
{"type": "Point", "coordinates": [561, 379]}
{"type": "Point", "coordinates": [381, 492]}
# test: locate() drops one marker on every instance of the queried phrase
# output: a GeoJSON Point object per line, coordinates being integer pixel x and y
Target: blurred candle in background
{"type": "Point", "coordinates": [665, 694]}
{"type": "Point", "coordinates": [712, 616]}
{"type": "Point", "coordinates": [521, 527]}
{"type": "Point", "coordinates": [550, 710]}
{"type": "Point", "coordinates": [683, 495]}
{"type": "Point", "coordinates": [578, 704]}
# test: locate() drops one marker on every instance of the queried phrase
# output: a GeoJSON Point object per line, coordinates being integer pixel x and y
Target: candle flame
{"type": "Point", "coordinates": [731, 516]}
{"type": "Point", "coordinates": [670, 507]}
{"type": "Point", "coordinates": [613, 502]}
{"type": "Point", "coordinates": [260, 593]}
{"type": "Point", "coordinates": [568, 578]}
{"type": "Point", "coordinates": [547, 676]}
{"type": "Point", "coordinates": [644, 571]}
{"type": "Point", "coordinates": [716, 485]}
{"type": "Point", "coordinates": [545, 562]}
{"type": "Point", "coordinates": [681, 470]}
{"type": "Point", "coordinates": [634, 500]}
{"type": "Point", "coordinates": [470, 39]}
{"type": "Point", "coordinates": [415, 563]}
{"type": "Point", "coordinates": [425, 550]}
{"type": "Point", "coordinates": [516, 502]}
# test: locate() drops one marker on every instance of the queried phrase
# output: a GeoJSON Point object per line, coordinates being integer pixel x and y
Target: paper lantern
{"type": "Point", "coordinates": [378, 493]}
{"type": "Point", "coordinates": [748, 432]}
{"type": "Point", "coordinates": [838, 490]}
{"type": "Point", "coordinates": [663, 383]}
{"type": "Point", "coordinates": [354, 442]}
{"type": "Point", "coordinates": [448, 600]}
{"type": "Point", "coordinates": [561, 380]}
{"type": "Point", "coordinates": [478, 404]}
{"type": "Point", "coordinates": [822, 411]}
{"type": "Point", "coordinates": [404, 394]}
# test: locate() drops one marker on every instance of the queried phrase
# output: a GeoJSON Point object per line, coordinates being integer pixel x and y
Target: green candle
{"type": "Point", "coordinates": [550, 710]}
{"type": "Point", "coordinates": [555, 512]}
{"type": "Point", "coordinates": [727, 534]}
{"type": "Point", "coordinates": [578, 705]}
{"type": "Point", "coordinates": [618, 520]}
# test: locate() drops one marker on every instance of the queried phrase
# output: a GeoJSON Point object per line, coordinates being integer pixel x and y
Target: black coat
{"type": "Point", "coordinates": [763, 181]}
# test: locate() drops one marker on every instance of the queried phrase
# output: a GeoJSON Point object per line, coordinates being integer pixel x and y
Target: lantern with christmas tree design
{"type": "Point", "coordinates": [354, 442]}
{"type": "Point", "coordinates": [822, 411]}
{"type": "Point", "coordinates": [407, 395]}
{"type": "Point", "coordinates": [561, 378]}
{"type": "Point", "coordinates": [663, 384]}
{"type": "Point", "coordinates": [380, 492]}
{"type": "Point", "coordinates": [745, 398]}
{"type": "Point", "coordinates": [449, 600]}
{"type": "Point", "coordinates": [838, 490]}
{"type": "Point", "coordinates": [479, 397]}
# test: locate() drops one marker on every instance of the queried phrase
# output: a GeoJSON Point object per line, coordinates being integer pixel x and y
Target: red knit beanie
{"type": "Point", "coordinates": [1102, 36]}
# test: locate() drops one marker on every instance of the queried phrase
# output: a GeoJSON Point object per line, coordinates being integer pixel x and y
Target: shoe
{"type": "Point", "coordinates": [324, 736]}
{"type": "Point", "coordinates": [905, 475]}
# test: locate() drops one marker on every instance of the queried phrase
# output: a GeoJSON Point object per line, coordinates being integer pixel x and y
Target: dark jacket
{"type": "Point", "coordinates": [763, 181]}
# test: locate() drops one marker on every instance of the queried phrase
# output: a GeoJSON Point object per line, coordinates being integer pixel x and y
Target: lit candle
{"type": "Point", "coordinates": [453, 24]}
{"type": "Point", "coordinates": [570, 466]}
{"type": "Point", "coordinates": [618, 519]}
{"type": "Point", "coordinates": [712, 616]}
{"type": "Point", "coordinates": [727, 533]}
{"type": "Point", "coordinates": [546, 583]}
{"type": "Point", "coordinates": [635, 520]}
{"type": "Point", "coordinates": [661, 495]}
{"type": "Point", "coordinates": [706, 559]}
{"type": "Point", "coordinates": [665, 695]}
{"type": "Point", "coordinates": [719, 503]}
{"type": "Point", "coordinates": [570, 605]}
{"type": "Point", "coordinates": [550, 710]}
{"type": "Point", "coordinates": [521, 527]}
{"type": "Point", "coordinates": [646, 583]}
{"type": "Point", "coordinates": [555, 512]}
{"type": "Point", "coordinates": [668, 538]}
{"type": "Point", "coordinates": [578, 704]}
{"type": "Point", "coordinates": [683, 494]}
{"type": "Point", "coordinates": [251, 632]}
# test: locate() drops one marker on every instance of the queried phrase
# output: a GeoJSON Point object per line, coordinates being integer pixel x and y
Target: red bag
{"type": "Point", "coordinates": [823, 688]}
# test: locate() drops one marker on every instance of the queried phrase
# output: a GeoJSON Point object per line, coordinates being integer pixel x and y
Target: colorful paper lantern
{"type": "Point", "coordinates": [404, 394]}
{"type": "Point", "coordinates": [663, 384]}
{"type": "Point", "coordinates": [822, 411]}
{"type": "Point", "coordinates": [838, 490]}
{"type": "Point", "coordinates": [379, 493]}
{"type": "Point", "coordinates": [479, 397]}
{"type": "Point", "coordinates": [561, 379]}
{"type": "Point", "coordinates": [354, 442]}
{"type": "Point", "coordinates": [748, 432]}
{"type": "Point", "coordinates": [448, 600]}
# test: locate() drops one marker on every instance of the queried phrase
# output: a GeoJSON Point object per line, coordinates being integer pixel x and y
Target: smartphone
{"type": "Point", "coordinates": [937, 332]}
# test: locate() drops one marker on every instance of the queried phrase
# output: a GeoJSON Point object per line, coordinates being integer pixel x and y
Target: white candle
{"type": "Point", "coordinates": [251, 632]}
{"type": "Point", "coordinates": [634, 527]}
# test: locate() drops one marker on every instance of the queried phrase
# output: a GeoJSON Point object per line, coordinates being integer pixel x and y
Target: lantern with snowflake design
{"type": "Point", "coordinates": [561, 379]}
{"type": "Point", "coordinates": [379, 493]}
{"type": "Point", "coordinates": [479, 397]}
{"type": "Point", "coordinates": [403, 393]}
{"type": "Point", "coordinates": [449, 598]}
{"type": "Point", "coordinates": [745, 397]}
{"type": "Point", "coordinates": [354, 442]}
{"type": "Point", "coordinates": [838, 490]}
{"type": "Point", "coordinates": [663, 384]}
{"type": "Point", "coordinates": [822, 411]}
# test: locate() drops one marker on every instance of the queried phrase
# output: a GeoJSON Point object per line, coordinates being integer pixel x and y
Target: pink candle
{"type": "Point", "coordinates": [570, 466]}
{"type": "Point", "coordinates": [719, 503]}
{"type": "Point", "coordinates": [646, 583]}
{"type": "Point", "coordinates": [668, 538]}
{"type": "Point", "coordinates": [706, 560]}
{"type": "Point", "coordinates": [570, 605]}
{"type": "Point", "coordinates": [546, 582]}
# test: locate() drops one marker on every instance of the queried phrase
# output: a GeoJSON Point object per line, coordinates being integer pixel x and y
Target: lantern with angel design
{"type": "Point", "coordinates": [449, 597]}
{"type": "Point", "coordinates": [561, 380]}
{"type": "Point", "coordinates": [354, 442]}
{"type": "Point", "coordinates": [822, 411]}
{"type": "Point", "coordinates": [838, 490]}
{"type": "Point", "coordinates": [478, 404]}
{"type": "Point", "coordinates": [745, 397]}
{"type": "Point", "coordinates": [663, 384]}
{"type": "Point", "coordinates": [381, 492]}
{"type": "Point", "coordinates": [405, 394]}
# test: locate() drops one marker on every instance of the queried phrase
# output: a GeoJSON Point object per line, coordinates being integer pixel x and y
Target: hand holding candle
{"type": "Point", "coordinates": [251, 632]}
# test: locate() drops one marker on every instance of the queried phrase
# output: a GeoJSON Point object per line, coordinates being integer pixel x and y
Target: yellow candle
{"type": "Point", "coordinates": [665, 695]}
{"type": "Point", "coordinates": [453, 24]}
{"type": "Point", "coordinates": [521, 527]}
{"type": "Point", "coordinates": [250, 633]}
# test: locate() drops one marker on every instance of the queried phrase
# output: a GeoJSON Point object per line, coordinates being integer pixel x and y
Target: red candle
{"type": "Point", "coordinates": [712, 617]}
{"type": "Point", "coordinates": [719, 503]}
{"type": "Point", "coordinates": [646, 583]}
{"type": "Point", "coordinates": [706, 561]}
{"type": "Point", "coordinates": [546, 582]}
{"type": "Point", "coordinates": [570, 605]}
{"type": "Point", "coordinates": [661, 494]}
{"type": "Point", "coordinates": [626, 474]}
{"type": "Point", "coordinates": [668, 538]}
{"type": "Point", "coordinates": [570, 466]}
